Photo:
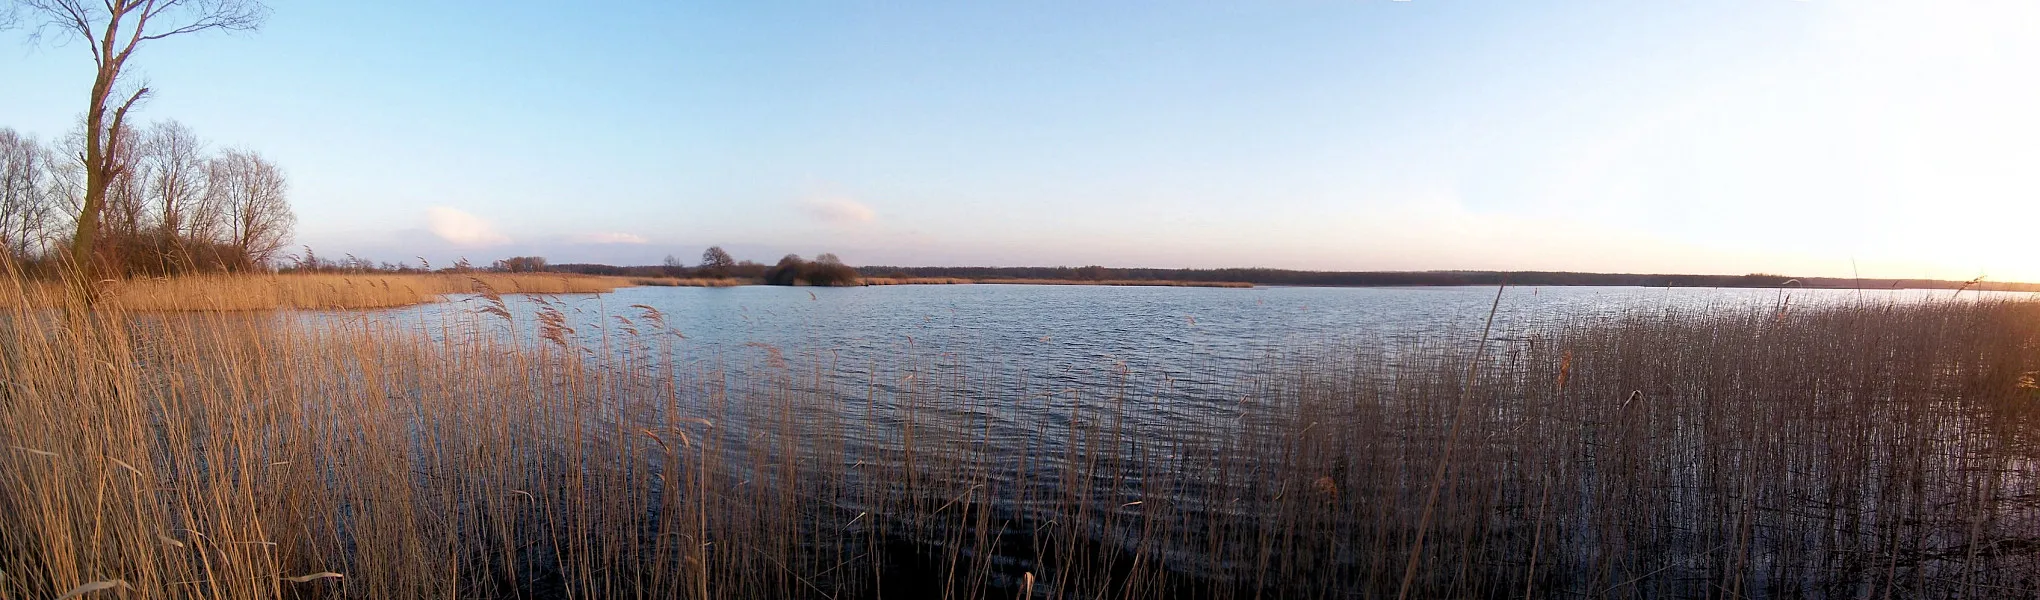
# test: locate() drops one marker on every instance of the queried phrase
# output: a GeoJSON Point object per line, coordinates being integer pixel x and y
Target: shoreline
{"type": "Point", "coordinates": [335, 291]}
{"type": "Point", "coordinates": [891, 281]}
{"type": "Point", "coordinates": [879, 281]}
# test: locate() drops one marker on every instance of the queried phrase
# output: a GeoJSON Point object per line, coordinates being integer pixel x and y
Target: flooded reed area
{"type": "Point", "coordinates": [1845, 450]}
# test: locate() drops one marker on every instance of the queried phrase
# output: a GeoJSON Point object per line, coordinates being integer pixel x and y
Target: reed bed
{"type": "Point", "coordinates": [1863, 451]}
{"type": "Point", "coordinates": [305, 291]}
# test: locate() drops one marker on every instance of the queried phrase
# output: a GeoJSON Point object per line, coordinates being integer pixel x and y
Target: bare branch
{"type": "Point", "coordinates": [227, 15]}
{"type": "Point", "coordinates": [153, 20]}
{"type": "Point", "coordinates": [115, 149]}
{"type": "Point", "coordinates": [71, 18]}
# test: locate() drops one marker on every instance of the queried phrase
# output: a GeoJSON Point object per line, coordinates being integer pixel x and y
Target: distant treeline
{"type": "Point", "coordinates": [615, 271]}
{"type": "Point", "coordinates": [1428, 278]}
{"type": "Point", "coordinates": [172, 204]}
{"type": "Point", "coordinates": [715, 263]}
{"type": "Point", "coordinates": [826, 269]}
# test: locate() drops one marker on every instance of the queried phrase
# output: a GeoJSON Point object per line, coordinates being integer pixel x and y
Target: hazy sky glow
{"type": "Point", "coordinates": [1711, 137]}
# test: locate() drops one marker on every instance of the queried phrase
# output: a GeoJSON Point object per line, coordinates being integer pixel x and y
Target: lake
{"type": "Point", "coordinates": [1204, 436]}
{"type": "Point", "coordinates": [1176, 352]}
{"type": "Point", "coordinates": [1149, 331]}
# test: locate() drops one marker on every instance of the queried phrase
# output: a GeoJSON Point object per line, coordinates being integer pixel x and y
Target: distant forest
{"type": "Point", "coordinates": [826, 269]}
{"type": "Point", "coordinates": [1261, 276]}
{"type": "Point", "coordinates": [1430, 278]}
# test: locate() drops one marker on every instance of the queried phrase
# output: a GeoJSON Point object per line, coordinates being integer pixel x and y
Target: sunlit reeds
{"type": "Point", "coordinates": [305, 291]}
{"type": "Point", "coordinates": [1860, 451]}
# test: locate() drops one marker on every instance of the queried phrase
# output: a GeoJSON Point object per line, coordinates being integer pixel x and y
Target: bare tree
{"type": "Point", "coordinates": [162, 212]}
{"type": "Point", "coordinates": [253, 192]}
{"type": "Point", "coordinates": [26, 186]}
{"type": "Point", "coordinates": [715, 262]}
{"type": "Point", "coordinates": [520, 264]}
{"type": "Point", "coordinates": [175, 160]}
{"type": "Point", "coordinates": [112, 30]}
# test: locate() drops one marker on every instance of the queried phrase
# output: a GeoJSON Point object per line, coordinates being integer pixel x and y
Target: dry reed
{"type": "Point", "coordinates": [1866, 451]}
{"type": "Point", "coordinates": [306, 291]}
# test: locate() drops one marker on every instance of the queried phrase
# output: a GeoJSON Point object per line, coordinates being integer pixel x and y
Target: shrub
{"type": "Point", "coordinates": [826, 270]}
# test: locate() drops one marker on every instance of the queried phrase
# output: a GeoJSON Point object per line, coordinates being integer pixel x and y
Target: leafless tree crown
{"type": "Point", "coordinates": [115, 193]}
{"type": "Point", "coordinates": [174, 205]}
{"type": "Point", "coordinates": [29, 184]}
{"type": "Point", "coordinates": [113, 28]}
{"type": "Point", "coordinates": [258, 215]}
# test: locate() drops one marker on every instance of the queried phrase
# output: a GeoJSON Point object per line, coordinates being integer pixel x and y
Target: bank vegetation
{"type": "Point", "coordinates": [1848, 451]}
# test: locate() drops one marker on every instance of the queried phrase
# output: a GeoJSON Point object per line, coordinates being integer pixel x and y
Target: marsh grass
{"type": "Point", "coordinates": [302, 291]}
{"type": "Point", "coordinates": [1860, 451]}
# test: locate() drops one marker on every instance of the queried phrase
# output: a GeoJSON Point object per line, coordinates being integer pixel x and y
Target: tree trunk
{"type": "Point", "coordinates": [96, 182]}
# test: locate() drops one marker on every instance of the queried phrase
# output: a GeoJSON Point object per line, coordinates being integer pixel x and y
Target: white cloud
{"type": "Point", "coordinates": [610, 237]}
{"type": "Point", "coordinates": [838, 210]}
{"type": "Point", "coordinates": [461, 228]}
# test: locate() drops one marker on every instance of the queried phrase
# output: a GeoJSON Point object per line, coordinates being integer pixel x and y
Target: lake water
{"type": "Point", "coordinates": [1171, 331]}
{"type": "Point", "coordinates": [1170, 365]}
{"type": "Point", "coordinates": [1174, 349]}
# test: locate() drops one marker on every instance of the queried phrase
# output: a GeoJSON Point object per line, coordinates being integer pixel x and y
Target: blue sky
{"type": "Point", "coordinates": [1717, 137]}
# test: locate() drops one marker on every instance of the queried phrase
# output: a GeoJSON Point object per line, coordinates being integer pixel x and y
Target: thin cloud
{"type": "Point", "coordinates": [462, 229]}
{"type": "Point", "coordinates": [837, 210]}
{"type": "Point", "coordinates": [610, 237]}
